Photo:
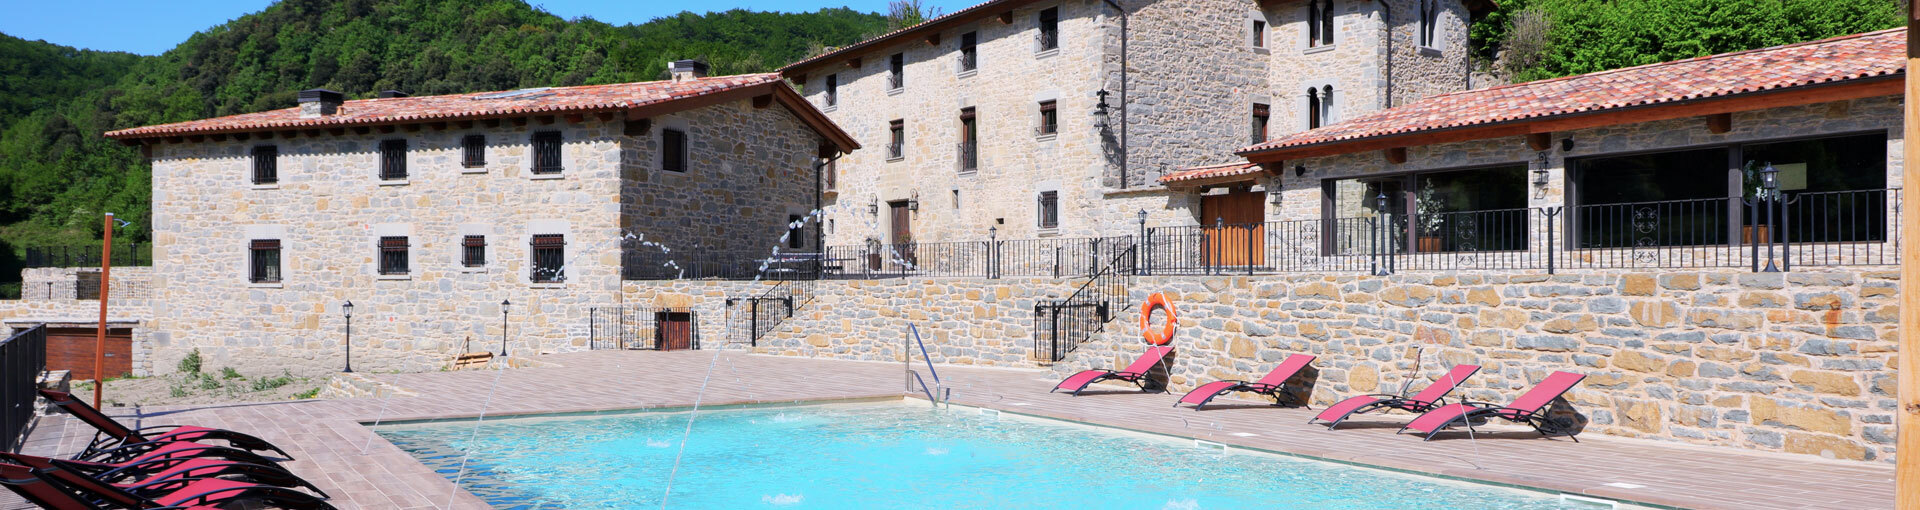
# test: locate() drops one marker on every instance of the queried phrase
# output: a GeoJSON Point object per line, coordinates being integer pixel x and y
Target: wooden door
{"type": "Point", "coordinates": [1242, 241]}
{"type": "Point", "coordinates": [71, 349]}
{"type": "Point", "coordinates": [675, 330]}
{"type": "Point", "coordinates": [902, 238]}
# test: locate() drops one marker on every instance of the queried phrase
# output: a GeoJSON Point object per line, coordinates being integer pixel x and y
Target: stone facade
{"type": "Point", "coordinates": [1193, 74]}
{"type": "Point", "coordinates": [329, 208]}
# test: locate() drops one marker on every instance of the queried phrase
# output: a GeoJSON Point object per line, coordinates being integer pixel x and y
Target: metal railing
{"type": "Point", "coordinates": [124, 254]}
{"type": "Point", "coordinates": [1059, 326]}
{"type": "Point", "coordinates": [22, 357]}
{"type": "Point", "coordinates": [751, 318]}
{"type": "Point", "coordinates": [639, 327]}
{"type": "Point", "coordinates": [968, 154]}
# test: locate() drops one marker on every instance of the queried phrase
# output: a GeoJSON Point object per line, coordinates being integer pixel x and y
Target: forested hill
{"type": "Point", "coordinates": [57, 174]}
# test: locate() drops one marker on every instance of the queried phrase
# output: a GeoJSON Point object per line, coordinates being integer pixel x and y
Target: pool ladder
{"type": "Point", "coordinates": [945, 394]}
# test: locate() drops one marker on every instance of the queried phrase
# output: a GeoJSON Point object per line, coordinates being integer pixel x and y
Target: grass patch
{"type": "Point", "coordinates": [230, 373]}
{"type": "Point", "coordinates": [304, 395]}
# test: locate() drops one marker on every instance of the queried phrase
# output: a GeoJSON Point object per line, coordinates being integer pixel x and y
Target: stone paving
{"type": "Point", "coordinates": [336, 451]}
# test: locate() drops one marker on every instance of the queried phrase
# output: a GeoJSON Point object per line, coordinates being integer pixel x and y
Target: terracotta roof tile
{"type": "Point", "coordinates": [934, 23]}
{"type": "Point", "coordinates": [1872, 54]}
{"type": "Point", "coordinates": [587, 98]}
{"type": "Point", "coordinates": [1210, 171]}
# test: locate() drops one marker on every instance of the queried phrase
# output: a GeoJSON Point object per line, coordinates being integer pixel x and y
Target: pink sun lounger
{"type": "Point", "coordinates": [1424, 401]}
{"type": "Point", "coordinates": [1135, 373]}
{"type": "Point", "coordinates": [1530, 409]}
{"type": "Point", "coordinates": [1269, 385]}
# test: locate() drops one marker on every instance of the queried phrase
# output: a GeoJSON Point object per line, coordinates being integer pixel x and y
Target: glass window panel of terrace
{"type": "Point", "coordinates": [1356, 209]}
{"type": "Point", "coordinates": [1472, 210]}
{"type": "Point", "coordinates": [1835, 187]}
{"type": "Point", "coordinates": [1662, 199]}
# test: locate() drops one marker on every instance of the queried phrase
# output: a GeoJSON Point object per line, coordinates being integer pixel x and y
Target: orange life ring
{"type": "Point", "coordinates": [1165, 335]}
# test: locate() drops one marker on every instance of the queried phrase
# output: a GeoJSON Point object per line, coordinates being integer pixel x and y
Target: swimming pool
{"type": "Point", "coordinates": [895, 455]}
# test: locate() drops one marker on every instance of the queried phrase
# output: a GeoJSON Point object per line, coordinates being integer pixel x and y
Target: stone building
{"type": "Point", "coordinates": [444, 219]}
{"type": "Point", "coordinates": [1056, 118]}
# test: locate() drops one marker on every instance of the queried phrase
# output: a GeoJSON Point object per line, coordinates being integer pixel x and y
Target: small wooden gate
{"type": "Point", "coordinates": [1242, 239]}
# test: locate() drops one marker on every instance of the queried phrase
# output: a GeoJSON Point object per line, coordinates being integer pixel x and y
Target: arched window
{"type": "Point", "coordinates": [1319, 23]}
{"type": "Point", "coordinates": [1429, 23]}
{"type": "Point", "coordinates": [1319, 106]}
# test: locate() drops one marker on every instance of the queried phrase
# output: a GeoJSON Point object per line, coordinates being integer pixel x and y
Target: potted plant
{"type": "Point", "coordinates": [1753, 192]}
{"type": "Point", "coordinates": [1429, 208]}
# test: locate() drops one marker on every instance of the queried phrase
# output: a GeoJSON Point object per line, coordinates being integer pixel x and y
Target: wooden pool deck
{"type": "Point", "coordinates": [337, 451]}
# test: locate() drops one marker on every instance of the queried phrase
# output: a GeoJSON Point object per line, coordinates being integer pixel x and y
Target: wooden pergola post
{"type": "Point", "coordinates": [1907, 447]}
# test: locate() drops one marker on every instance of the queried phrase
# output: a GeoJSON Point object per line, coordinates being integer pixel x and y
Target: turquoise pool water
{"type": "Point", "coordinates": [896, 455]}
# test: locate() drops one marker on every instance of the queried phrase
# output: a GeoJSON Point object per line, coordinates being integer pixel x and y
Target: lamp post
{"type": "Point", "coordinates": [1770, 183]}
{"type": "Point", "coordinates": [347, 310]}
{"type": "Point", "coordinates": [503, 327]}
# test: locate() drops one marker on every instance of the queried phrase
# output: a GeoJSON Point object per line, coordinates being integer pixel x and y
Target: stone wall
{"type": "Point", "coordinates": [1798, 362]}
{"type": "Point", "coordinates": [739, 190]}
{"type": "Point", "coordinates": [62, 283]}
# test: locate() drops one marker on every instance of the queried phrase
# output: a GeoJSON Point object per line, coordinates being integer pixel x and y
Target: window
{"type": "Point", "coordinates": [1259, 33]}
{"type": "Point", "coordinates": [1049, 209]}
{"type": "Point", "coordinates": [1260, 116]}
{"type": "Point", "coordinates": [473, 251]}
{"type": "Point", "coordinates": [969, 150]}
{"type": "Point", "coordinates": [956, 199]}
{"type": "Point", "coordinates": [393, 160]}
{"type": "Point", "coordinates": [1319, 23]}
{"type": "Point", "coordinates": [796, 232]}
{"type": "Point", "coordinates": [549, 258]}
{"type": "Point", "coordinates": [673, 150]}
{"type": "Point", "coordinates": [1319, 106]}
{"type": "Point", "coordinates": [266, 166]}
{"type": "Point", "coordinates": [1049, 36]}
{"type": "Point", "coordinates": [264, 261]}
{"type": "Point", "coordinates": [1429, 22]}
{"type": "Point", "coordinates": [969, 51]}
{"type": "Point", "coordinates": [473, 150]}
{"type": "Point", "coordinates": [897, 72]}
{"type": "Point", "coordinates": [393, 255]}
{"type": "Point", "coordinates": [897, 144]}
{"type": "Point", "coordinates": [833, 90]}
{"type": "Point", "coordinates": [1482, 209]}
{"type": "Point", "coordinates": [1049, 118]}
{"type": "Point", "coordinates": [86, 285]}
{"type": "Point", "coordinates": [832, 171]}
{"type": "Point", "coordinates": [546, 152]}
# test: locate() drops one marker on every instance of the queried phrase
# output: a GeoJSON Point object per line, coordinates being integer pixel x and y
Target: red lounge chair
{"type": "Point", "coordinates": [143, 452]}
{"type": "Point", "coordinates": [211, 492]}
{"type": "Point", "coordinates": [1269, 385]}
{"type": "Point", "coordinates": [113, 435]}
{"type": "Point", "coordinates": [190, 467]}
{"type": "Point", "coordinates": [1530, 409]}
{"type": "Point", "coordinates": [1135, 373]}
{"type": "Point", "coordinates": [1422, 402]}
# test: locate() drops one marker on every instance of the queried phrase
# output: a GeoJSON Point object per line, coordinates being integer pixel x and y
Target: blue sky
{"type": "Point", "coordinates": [150, 27]}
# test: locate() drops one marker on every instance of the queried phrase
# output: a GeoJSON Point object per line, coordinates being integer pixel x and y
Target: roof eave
{"type": "Point", "coordinates": [964, 16]}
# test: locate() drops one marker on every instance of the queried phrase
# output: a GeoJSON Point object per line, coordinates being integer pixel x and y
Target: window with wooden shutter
{"type": "Point", "coordinates": [1260, 115]}
{"type": "Point", "coordinates": [1049, 118]}
{"type": "Point", "coordinates": [1049, 209]}
{"type": "Point", "coordinates": [549, 258]}
{"type": "Point", "coordinates": [546, 152]}
{"type": "Point", "coordinates": [266, 164]}
{"type": "Point", "coordinates": [393, 255]}
{"type": "Point", "coordinates": [473, 251]}
{"type": "Point", "coordinates": [264, 261]}
{"type": "Point", "coordinates": [897, 142]}
{"type": "Point", "coordinates": [473, 150]}
{"type": "Point", "coordinates": [673, 150]}
{"type": "Point", "coordinates": [393, 160]}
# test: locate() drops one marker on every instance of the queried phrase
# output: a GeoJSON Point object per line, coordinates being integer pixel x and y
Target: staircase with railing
{"type": "Point", "coordinates": [751, 318]}
{"type": "Point", "coordinates": [1059, 326]}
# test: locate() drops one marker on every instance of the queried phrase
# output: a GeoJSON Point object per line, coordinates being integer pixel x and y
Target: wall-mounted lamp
{"type": "Point", "coordinates": [1100, 113]}
{"type": "Point", "coordinates": [873, 207]}
{"type": "Point", "coordinates": [1540, 172]}
{"type": "Point", "coordinates": [913, 203]}
{"type": "Point", "coordinates": [1299, 170]}
{"type": "Point", "coordinates": [1566, 144]}
{"type": "Point", "coordinates": [1273, 196]}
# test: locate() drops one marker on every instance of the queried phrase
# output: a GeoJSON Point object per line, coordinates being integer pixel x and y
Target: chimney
{"type": "Point", "coordinates": [684, 70]}
{"type": "Point", "coordinates": [319, 103]}
{"type": "Point", "coordinates": [392, 93]}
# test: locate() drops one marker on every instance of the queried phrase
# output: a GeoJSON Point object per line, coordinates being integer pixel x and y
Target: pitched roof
{"type": "Point", "coordinates": [652, 96]}
{"type": "Point", "coordinates": [1871, 56]}
{"type": "Point", "coordinates": [1209, 172]}
{"type": "Point", "coordinates": [975, 12]}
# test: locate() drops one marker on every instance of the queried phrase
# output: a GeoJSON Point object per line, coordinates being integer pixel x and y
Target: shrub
{"type": "Point", "coordinates": [191, 363]}
{"type": "Point", "coordinates": [268, 383]}
{"type": "Point", "coordinates": [307, 394]}
{"type": "Point", "coordinates": [230, 373]}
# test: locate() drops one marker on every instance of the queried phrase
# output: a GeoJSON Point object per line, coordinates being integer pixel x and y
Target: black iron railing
{"type": "Point", "coordinates": [22, 357]}
{"type": "Point", "coordinates": [124, 254]}
{"type": "Point", "coordinates": [640, 327]}
{"type": "Point", "coordinates": [751, 318]}
{"type": "Point", "coordinates": [1059, 326]}
{"type": "Point", "coordinates": [969, 156]}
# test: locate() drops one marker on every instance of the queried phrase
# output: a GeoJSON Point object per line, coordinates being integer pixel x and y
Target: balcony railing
{"type": "Point", "coordinates": [968, 154]}
{"type": "Point", "coordinates": [896, 150]}
{"type": "Point", "coordinates": [124, 254]}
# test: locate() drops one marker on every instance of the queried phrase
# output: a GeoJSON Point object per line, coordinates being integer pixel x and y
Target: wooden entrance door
{"type": "Point", "coordinates": [902, 238]}
{"type": "Point", "coordinates": [675, 330]}
{"type": "Point", "coordinates": [71, 349]}
{"type": "Point", "coordinates": [1242, 241]}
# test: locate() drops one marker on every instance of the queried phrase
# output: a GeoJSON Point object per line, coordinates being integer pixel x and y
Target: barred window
{"type": "Point", "coordinates": [549, 258]}
{"type": "Point", "coordinates": [474, 151]}
{"type": "Point", "coordinates": [393, 255]}
{"type": "Point", "coordinates": [897, 139]}
{"type": "Point", "coordinates": [264, 261]}
{"type": "Point", "coordinates": [393, 160]}
{"type": "Point", "coordinates": [969, 51]}
{"type": "Point", "coordinates": [473, 251]}
{"type": "Point", "coordinates": [897, 71]}
{"type": "Point", "coordinates": [546, 152]}
{"type": "Point", "coordinates": [1049, 209]}
{"type": "Point", "coordinates": [1049, 29]}
{"type": "Point", "coordinates": [673, 150]}
{"type": "Point", "coordinates": [266, 164]}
